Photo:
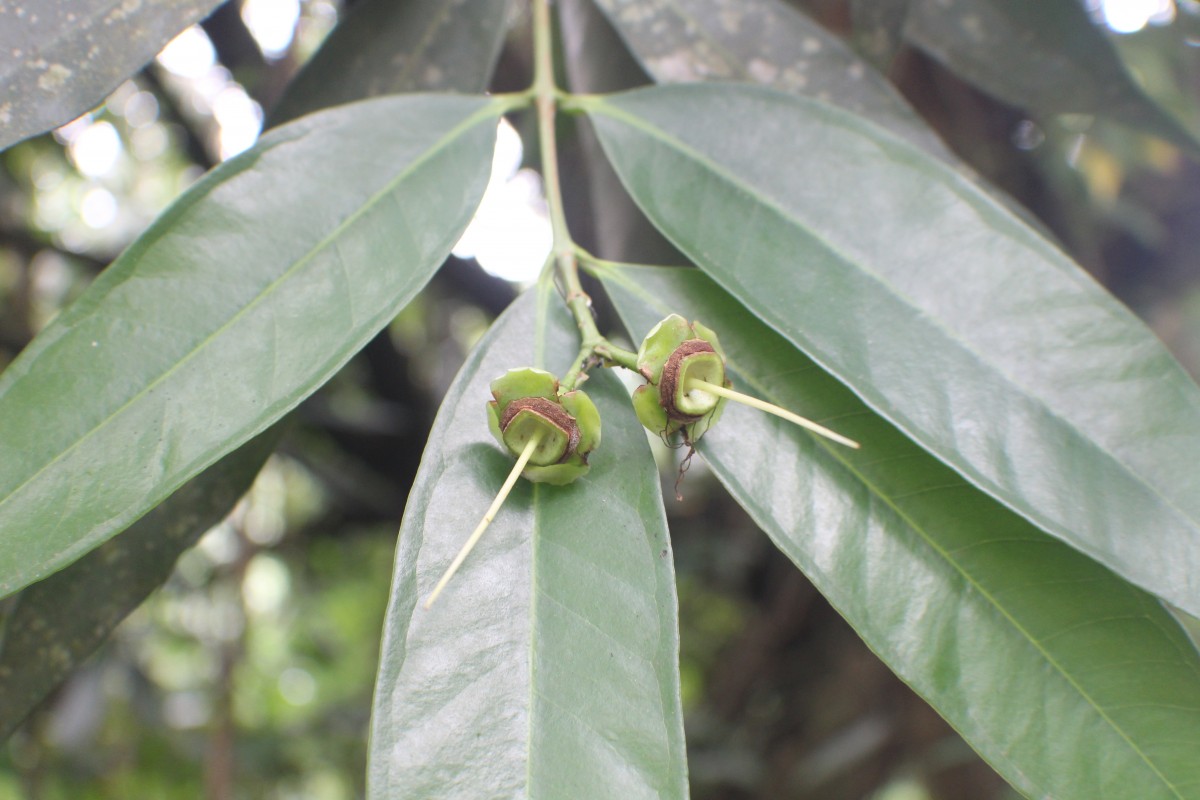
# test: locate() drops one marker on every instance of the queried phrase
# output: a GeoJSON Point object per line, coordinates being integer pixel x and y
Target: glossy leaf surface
{"type": "Point", "coordinates": [54, 625]}
{"type": "Point", "coordinates": [388, 47]}
{"type": "Point", "coordinates": [1070, 681]}
{"type": "Point", "coordinates": [247, 294]}
{"type": "Point", "coordinates": [549, 666]}
{"type": "Point", "coordinates": [1042, 55]}
{"type": "Point", "coordinates": [948, 316]}
{"type": "Point", "coordinates": [61, 57]}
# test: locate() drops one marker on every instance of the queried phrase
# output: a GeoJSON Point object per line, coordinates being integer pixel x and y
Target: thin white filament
{"type": "Point", "coordinates": [522, 460]}
{"type": "Point", "coordinates": [754, 402]}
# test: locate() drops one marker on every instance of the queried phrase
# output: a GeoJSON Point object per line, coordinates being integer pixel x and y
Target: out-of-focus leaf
{"type": "Point", "coordinates": [765, 42]}
{"type": "Point", "coordinates": [595, 59]}
{"type": "Point", "coordinates": [389, 47]}
{"type": "Point", "coordinates": [56, 623]}
{"type": "Point", "coordinates": [950, 318]}
{"type": "Point", "coordinates": [1043, 55]}
{"type": "Point", "coordinates": [879, 28]}
{"type": "Point", "coordinates": [1070, 681]}
{"type": "Point", "coordinates": [1164, 58]}
{"type": "Point", "coordinates": [595, 62]}
{"type": "Point", "coordinates": [549, 666]}
{"type": "Point", "coordinates": [246, 295]}
{"type": "Point", "coordinates": [61, 57]}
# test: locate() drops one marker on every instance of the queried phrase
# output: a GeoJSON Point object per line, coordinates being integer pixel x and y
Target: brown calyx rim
{"type": "Point", "coordinates": [670, 378]}
{"type": "Point", "coordinates": [550, 411]}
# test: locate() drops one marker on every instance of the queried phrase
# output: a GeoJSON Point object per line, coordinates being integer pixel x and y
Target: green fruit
{"type": "Point", "coordinates": [672, 356]}
{"type": "Point", "coordinates": [527, 404]}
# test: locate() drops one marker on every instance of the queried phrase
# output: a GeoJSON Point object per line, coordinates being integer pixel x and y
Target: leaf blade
{"type": "Point", "coordinates": [1046, 57]}
{"type": "Point", "coordinates": [764, 42]}
{"type": "Point", "coordinates": [568, 688]}
{"type": "Point", "coordinates": [769, 43]}
{"type": "Point", "coordinates": [989, 619]}
{"type": "Point", "coordinates": [384, 47]}
{"type": "Point", "coordinates": [244, 297]}
{"type": "Point", "coordinates": [999, 341]}
{"type": "Point", "coordinates": [68, 54]}
{"type": "Point", "coordinates": [71, 612]}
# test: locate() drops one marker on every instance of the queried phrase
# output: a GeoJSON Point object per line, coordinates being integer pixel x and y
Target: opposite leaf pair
{"type": "Point", "coordinates": [551, 432]}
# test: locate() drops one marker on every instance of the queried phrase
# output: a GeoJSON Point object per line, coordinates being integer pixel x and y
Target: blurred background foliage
{"type": "Point", "coordinates": [250, 673]}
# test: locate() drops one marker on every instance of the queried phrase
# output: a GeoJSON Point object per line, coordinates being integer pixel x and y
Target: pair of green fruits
{"type": "Point", "coordinates": [683, 363]}
{"type": "Point", "coordinates": [552, 432]}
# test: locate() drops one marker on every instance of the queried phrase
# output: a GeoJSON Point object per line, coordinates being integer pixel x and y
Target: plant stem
{"type": "Point", "coordinates": [546, 98]}
{"type": "Point", "coordinates": [546, 95]}
{"type": "Point", "coordinates": [598, 264]}
{"type": "Point", "coordinates": [762, 405]}
{"type": "Point", "coordinates": [509, 482]}
{"type": "Point", "coordinates": [601, 350]}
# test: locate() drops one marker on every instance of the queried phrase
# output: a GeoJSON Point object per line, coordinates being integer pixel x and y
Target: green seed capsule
{"type": "Point", "coordinates": [674, 357]}
{"type": "Point", "coordinates": [528, 406]}
{"type": "Point", "coordinates": [688, 388]}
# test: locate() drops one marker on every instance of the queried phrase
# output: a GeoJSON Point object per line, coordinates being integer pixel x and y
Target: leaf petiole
{"type": "Point", "coordinates": [761, 405]}
{"type": "Point", "coordinates": [511, 481]}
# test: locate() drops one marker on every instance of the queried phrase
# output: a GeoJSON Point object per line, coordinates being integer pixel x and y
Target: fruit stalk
{"type": "Point", "coordinates": [511, 481]}
{"type": "Point", "coordinates": [782, 413]}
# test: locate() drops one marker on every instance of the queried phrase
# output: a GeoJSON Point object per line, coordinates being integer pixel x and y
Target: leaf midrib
{"type": "Point", "coordinates": [533, 595]}
{"type": "Point", "coordinates": [489, 110]}
{"type": "Point", "coordinates": [965, 469]}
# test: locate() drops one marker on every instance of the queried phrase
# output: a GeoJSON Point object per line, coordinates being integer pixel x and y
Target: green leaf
{"type": "Point", "coordinates": [56, 623]}
{"type": "Point", "coordinates": [388, 47]}
{"type": "Point", "coordinates": [1070, 681]}
{"type": "Point", "coordinates": [61, 57]}
{"type": "Point", "coordinates": [1043, 55]}
{"type": "Point", "coordinates": [247, 294]}
{"type": "Point", "coordinates": [691, 40]}
{"type": "Point", "coordinates": [935, 305]}
{"type": "Point", "coordinates": [549, 666]}
{"type": "Point", "coordinates": [765, 42]}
